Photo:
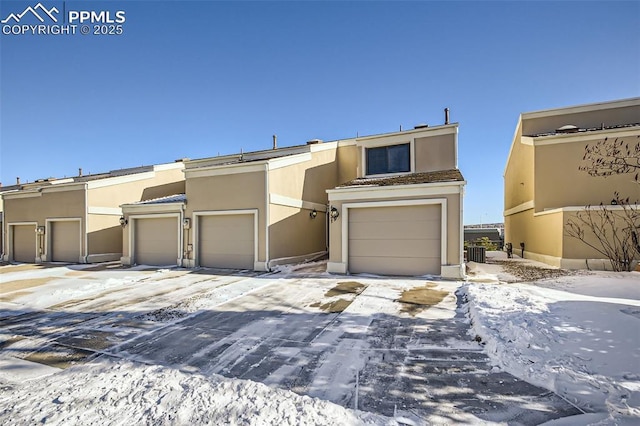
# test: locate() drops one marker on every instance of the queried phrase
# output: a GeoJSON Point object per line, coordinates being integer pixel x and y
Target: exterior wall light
{"type": "Point", "coordinates": [40, 230]}
{"type": "Point", "coordinates": [334, 214]}
{"type": "Point", "coordinates": [313, 214]}
{"type": "Point", "coordinates": [123, 221]}
{"type": "Point", "coordinates": [186, 223]}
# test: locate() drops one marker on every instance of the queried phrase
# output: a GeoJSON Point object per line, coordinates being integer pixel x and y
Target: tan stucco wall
{"type": "Point", "coordinates": [63, 204]}
{"type": "Point", "coordinates": [308, 180]}
{"type": "Point", "coordinates": [435, 153]}
{"type": "Point", "coordinates": [294, 233]}
{"type": "Point", "coordinates": [559, 183]}
{"type": "Point", "coordinates": [347, 158]}
{"type": "Point", "coordinates": [541, 234]}
{"type": "Point", "coordinates": [454, 226]}
{"type": "Point", "coordinates": [576, 249]}
{"type": "Point", "coordinates": [518, 177]}
{"type": "Point", "coordinates": [230, 192]}
{"type": "Point", "coordinates": [104, 234]}
{"type": "Point", "coordinates": [163, 183]}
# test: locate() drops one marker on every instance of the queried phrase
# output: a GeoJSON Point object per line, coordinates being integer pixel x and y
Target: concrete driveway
{"type": "Point", "coordinates": [386, 345]}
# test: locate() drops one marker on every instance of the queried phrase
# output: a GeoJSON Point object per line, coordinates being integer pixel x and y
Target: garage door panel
{"type": "Point", "coordinates": [65, 241]}
{"type": "Point", "coordinates": [24, 243]}
{"type": "Point", "coordinates": [397, 240]}
{"type": "Point", "coordinates": [156, 241]}
{"type": "Point", "coordinates": [226, 241]}
{"type": "Point", "coordinates": [394, 248]}
{"type": "Point", "coordinates": [231, 247]}
{"type": "Point", "coordinates": [391, 214]}
{"type": "Point", "coordinates": [395, 265]}
{"type": "Point", "coordinates": [402, 230]}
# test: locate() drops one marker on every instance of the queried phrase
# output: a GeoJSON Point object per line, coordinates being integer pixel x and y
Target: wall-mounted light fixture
{"type": "Point", "coordinates": [313, 214]}
{"type": "Point", "coordinates": [186, 223]}
{"type": "Point", "coordinates": [40, 230]}
{"type": "Point", "coordinates": [334, 214]}
{"type": "Point", "coordinates": [123, 221]}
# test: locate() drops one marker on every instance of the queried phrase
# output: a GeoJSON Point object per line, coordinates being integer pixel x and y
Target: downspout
{"type": "Point", "coordinates": [85, 258]}
{"type": "Point", "coordinates": [461, 247]}
{"type": "Point", "coordinates": [183, 232]}
{"type": "Point", "coordinates": [267, 218]}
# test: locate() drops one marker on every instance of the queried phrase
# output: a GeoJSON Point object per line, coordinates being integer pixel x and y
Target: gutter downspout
{"type": "Point", "coordinates": [85, 258]}
{"type": "Point", "coordinates": [267, 197]}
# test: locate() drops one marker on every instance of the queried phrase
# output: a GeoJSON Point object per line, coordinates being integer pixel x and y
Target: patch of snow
{"type": "Point", "coordinates": [124, 392]}
{"type": "Point", "coordinates": [576, 340]}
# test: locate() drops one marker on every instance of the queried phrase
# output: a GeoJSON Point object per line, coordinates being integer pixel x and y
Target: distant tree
{"type": "Point", "coordinates": [482, 242]}
{"type": "Point", "coordinates": [616, 230]}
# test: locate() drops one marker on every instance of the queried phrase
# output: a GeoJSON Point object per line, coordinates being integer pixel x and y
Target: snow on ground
{"type": "Point", "coordinates": [578, 336]}
{"type": "Point", "coordinates": [122, 392]}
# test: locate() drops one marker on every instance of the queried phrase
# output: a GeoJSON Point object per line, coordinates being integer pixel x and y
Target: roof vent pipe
{"type": "Point", "coordinates": [446, 116]}
{"type": "Point", "coordinates": [79, 171]}
{"type": "Point", "coordinates": [18, 180]}
{"type": "Point", "coordinates": [275, 141]}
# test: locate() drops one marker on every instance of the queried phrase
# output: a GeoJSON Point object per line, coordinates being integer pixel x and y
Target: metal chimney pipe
{"type": "Point", "coordinates": [79, 171]}
{"type": "Point", "coordinates": [275, 141]}
{"type": "Point", "coordinates": [446, 116]}
{"type": "Point", "coordinates": [18, 180]}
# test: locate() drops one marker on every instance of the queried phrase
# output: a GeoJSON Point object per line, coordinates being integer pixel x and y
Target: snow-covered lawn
{"type": "Point", "coordinates": [577, 335]}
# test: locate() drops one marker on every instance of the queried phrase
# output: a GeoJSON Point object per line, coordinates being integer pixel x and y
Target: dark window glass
{"type": "Point", "coordinates": [388, 159]}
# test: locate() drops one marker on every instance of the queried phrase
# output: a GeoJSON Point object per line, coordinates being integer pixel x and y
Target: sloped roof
{"type": "Point", "coordinates": [578, 130]}
{"type": "Point", "coordinates": [176, 198]}
{"type": "Point", "coordinates": [452, 175]}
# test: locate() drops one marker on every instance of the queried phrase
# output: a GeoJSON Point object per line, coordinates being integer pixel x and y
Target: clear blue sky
{"type": "Point", "coordinates": [194, 79]}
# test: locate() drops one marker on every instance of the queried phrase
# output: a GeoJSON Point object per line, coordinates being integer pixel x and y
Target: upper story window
{"type": "Point", "coordinates": [388, 159]}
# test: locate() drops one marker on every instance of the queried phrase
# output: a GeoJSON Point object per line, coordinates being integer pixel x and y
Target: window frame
{"type": "Point", "coordinates": [363, 145]}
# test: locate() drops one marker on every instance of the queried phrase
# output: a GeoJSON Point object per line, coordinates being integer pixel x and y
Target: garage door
{"type": "Point", "coordinates": [395, 240]}
{"type": "Point", "coordinates": [24, 243]}
{"type": "Point", "coordinates": [156, 241]}
{"type": "Point", "coordinates": [65, 241]}
{"type": "Point", "coordinates": [226, 241]}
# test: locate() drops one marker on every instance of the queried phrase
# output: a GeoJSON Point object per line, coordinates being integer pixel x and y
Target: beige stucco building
{"type": "Point", "coordinates": [544, 186]}
{"type": "Point", "coordinates": [77, 219]}
{"type": "Point", "coordinates": [260, 209]}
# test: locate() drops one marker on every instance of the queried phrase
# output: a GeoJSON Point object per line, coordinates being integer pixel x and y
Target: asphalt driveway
{"type": "Point", "coordinates": [387, 345]}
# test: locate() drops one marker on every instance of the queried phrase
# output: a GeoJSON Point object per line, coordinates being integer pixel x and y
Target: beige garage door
{"type": "Point", "coordinates": [156, 241]}
{"type": "Point", "coordinates": [395, 240]}
{"type": "Point", "coordinates": [24, 243]}
{"type": "Point", "coordinates": [226, 241]}
{"type": "Point", "coordinates": [65, 241]}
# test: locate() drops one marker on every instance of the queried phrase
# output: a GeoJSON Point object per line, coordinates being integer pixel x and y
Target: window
{"type": "Point", "coordinates": [388, 159]}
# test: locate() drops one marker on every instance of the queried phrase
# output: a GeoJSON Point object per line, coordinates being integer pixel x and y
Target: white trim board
{"type": "Point", "coordinates": [283, 200]}
{"type": "Point", "coordinates": [527, 205]}
{"type": "Point", "coordinates": [108, 211]}
{"type": "Point", "coordinates": [364, 192]}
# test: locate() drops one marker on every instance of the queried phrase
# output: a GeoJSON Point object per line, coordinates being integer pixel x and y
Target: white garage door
{"type": "Point", "coordinates": [226, 241]}
{"type": "Point", "coordinates": [65, 241]}
{"type": "Point", "coordinates": [395, 240]}
{"type": "Point", "coordinates": [156, 241]}
{"type": "Point", "coordinates": [24, 243]}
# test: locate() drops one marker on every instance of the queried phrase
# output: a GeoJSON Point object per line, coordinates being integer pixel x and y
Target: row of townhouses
{"type": "Point", "coordinates": [383, 204]}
